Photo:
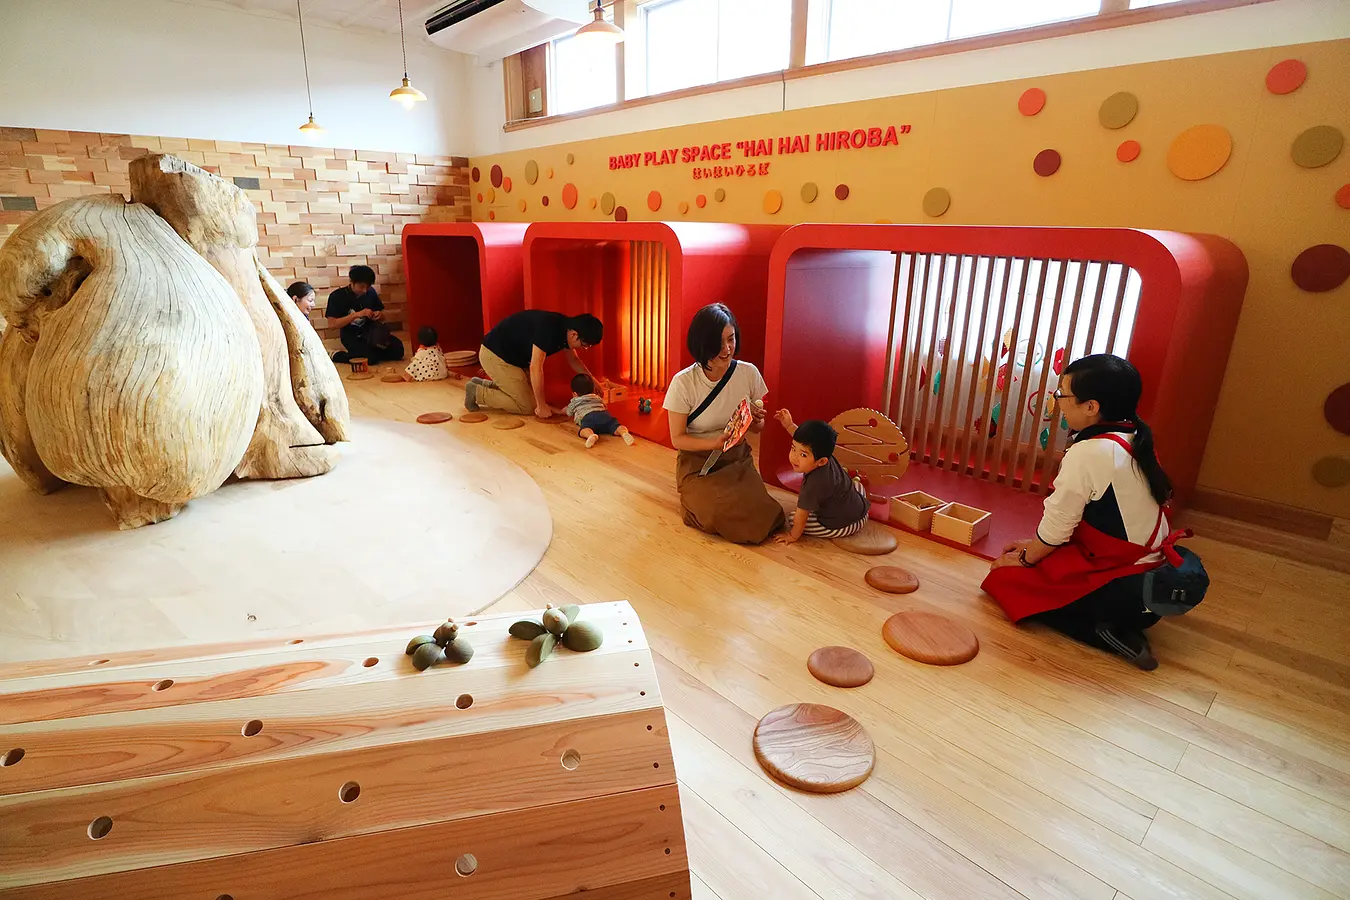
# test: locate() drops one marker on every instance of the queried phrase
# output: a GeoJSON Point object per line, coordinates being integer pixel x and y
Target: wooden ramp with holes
{"type": "Point", "coordinates": [330, 768]}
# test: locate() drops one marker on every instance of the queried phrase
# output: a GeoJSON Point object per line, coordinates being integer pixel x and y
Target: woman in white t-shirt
{"type": "Point", "coordinates": [731, 499]}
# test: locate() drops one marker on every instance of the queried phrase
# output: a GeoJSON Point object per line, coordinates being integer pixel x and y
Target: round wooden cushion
{"type": "Point", "coordinates": [930, 638]}
{"type": "Point", "coordinates": [360, 376]}
{"type": "Point", "coordinates": [814, 748]}
{"type": "Point", "coordinates": [392, 378]}
{"type": "Point", "coordinates": [892, 579]}
{"type": "Point", "coordinates": [508, 423]}
{"type": "Point", "coordinates": [840, 667]}
{"type": "Point", "coordinates": [472, 417]}
{"type": "Point", "coordinates": [434, 418]}
{"type": "Point", "coordinates": [872, 540]}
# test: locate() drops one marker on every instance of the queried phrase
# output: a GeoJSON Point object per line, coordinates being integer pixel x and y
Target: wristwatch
{"type": "Point", "coordinates": [1022, 558]}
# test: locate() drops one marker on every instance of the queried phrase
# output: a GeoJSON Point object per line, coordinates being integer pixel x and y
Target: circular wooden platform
{"type": "Point", "coordinates": [873, 540]}
{"type": "Point", "coordinates": [434, 418]}
{"type": "Point", "coordinates": [392, 378]}
{"type": "Point", "coordinates": [840, 667]}
{"type": "Point", "coordinates": [471, 418]}
{"type": "Point", "coordinates": [508, 423]}
{"type": "Point", "coordinates": [892, 579]}
{"type": "Point", "coordinates": [412, 525]}
{"type": "Point", "coordinates": [929, 638]}
{"type": "Point", "coordinates": [814, 748]}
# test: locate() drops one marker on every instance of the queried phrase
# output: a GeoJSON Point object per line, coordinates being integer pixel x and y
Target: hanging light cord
{"type": "Point", "coordinates": [305, 56]}
{"type": "Point", "coordinates": [403, 42]}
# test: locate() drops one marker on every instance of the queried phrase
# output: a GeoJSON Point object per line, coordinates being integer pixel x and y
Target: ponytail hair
{"type": "Point", "coordinates": [1115, 384]}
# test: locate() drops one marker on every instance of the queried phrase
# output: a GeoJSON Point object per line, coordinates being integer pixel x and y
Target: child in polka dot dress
{"type": "Point", "coordinates": [428, 364]}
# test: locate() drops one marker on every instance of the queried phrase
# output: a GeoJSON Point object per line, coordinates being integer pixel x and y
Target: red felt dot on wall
{"type": "Point", "coordinates": [1337, 409]}
{"type": "Point", "coordinates": [1128, 151]}
{"type": "Point", "coordinates": [1343, 197]}
{"type": "Point", "coordinates": [544, 199]}
{"type": "Point", "coordinates": [1286, 77]}
{"type": "Point", "coordinates": [654, 201]}
{"type": "Point", "coordinates": [700, 201]}
{"type": "Point", "coordinates": [841, 192]}
{"type": "Point", "coordinates": [1046, 163]}
{"type": "Point", "coordinates": [1324, 267]}
{"type": "Point", "coordinates": [620, 214]}
{"type": "Point", "coordinates": [1031, 102]}
{"type": "Point", "coordinates": [569, 195]}
{"type": "Point", "coordinates": [495, 176]}
{"type": "Point", "coordinates": [475, 174]}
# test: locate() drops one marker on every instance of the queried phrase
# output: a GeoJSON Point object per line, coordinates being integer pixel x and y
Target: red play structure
{"type": "Point", "coordinates": [462, 277]}
{"type": "Point", "coordinates": [645, 280]}
{"type": "Point", "coordinates": [958, 333]}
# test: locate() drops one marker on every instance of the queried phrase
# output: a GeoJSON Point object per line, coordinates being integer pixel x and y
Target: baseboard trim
{"type": "Point", "coordinates": [1269, 515]}
{"type": "Point", "coordinates": [1297, 548]}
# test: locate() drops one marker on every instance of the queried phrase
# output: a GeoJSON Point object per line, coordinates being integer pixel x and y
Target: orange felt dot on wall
{"type": "Point", "coordinates": [506, 185]}
{"type": "Point", "coordinates": [1286, 76]}
{"type": "Point", "coordinates": [684, 207]}
{"type": "Point", "coordinates": [1128, 151]}
{"type": "Point", "coordinates": [495, 176]}
{"type": "Point", "coordinates": [1046, 163]}
{"type": "Point", "coordinates": [569, 196]}
{"type": "Point", "coordinates": [1199, 152]}
{"type": "Point", "coordinates": [620, 214]}
{"type": "Point", "coordinates": [1343, 197]}
{"type": "Point", "coordinates": [773, 202]}
{"type": "Point", "coordinates": [480, 196]}
{"type": "Point", "coordinates": [654, 201]}
{"type": "Point", "coordinates": [491, 215]}
{"type": "Point", "coordinates": [1031, 102]}
{"type": "Point", "coordinates": [700, 201]}
{"type": "Point", "coordinates": [841, 192]}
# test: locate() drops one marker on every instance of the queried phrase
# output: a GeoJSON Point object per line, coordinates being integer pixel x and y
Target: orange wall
{"type": "Point", "coordinates": [1292, 347]}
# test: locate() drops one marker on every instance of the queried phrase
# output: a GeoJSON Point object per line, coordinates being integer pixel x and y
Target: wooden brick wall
{"type": "Point", "coordinates": [320, 210]}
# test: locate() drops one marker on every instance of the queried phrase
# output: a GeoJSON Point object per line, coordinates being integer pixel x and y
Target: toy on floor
{"type": "Point", "coordinates": [434, 418]}
{"type": "Point", "coordinates": [559, 626]}
{"type": "Point", "coordinates": [814, 748]}
{"type": "Point", "coordinates": [961, 523]}
{"type": "Point", "coordinates": [359, 364]}
{"type": "Point", "coordinates": [915, 509]}
{"type": "Point", "coordinates": [446, 645]}
{"type": "Point", "coordinates": [872, 445]}
{"type": "Point", "coordinates": [892, 579]}
{"type": "Point", "coordinates": [840, 667]}
{"type": "Point", "coordinates": [610, 392]}
{"type": "Point", "coordinates": [645, 406]}
{"type": "Point", "coordinates": [929, 638]}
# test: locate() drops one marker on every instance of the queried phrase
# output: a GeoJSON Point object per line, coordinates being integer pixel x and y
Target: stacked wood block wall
{"type": "Point", "coordinates": [320, 210]}
{"type": "Point", "coordinates": [327, 767]}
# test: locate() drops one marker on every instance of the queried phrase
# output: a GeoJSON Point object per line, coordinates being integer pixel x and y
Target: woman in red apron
{"type": "Point", "coordinates": [1104, 525]}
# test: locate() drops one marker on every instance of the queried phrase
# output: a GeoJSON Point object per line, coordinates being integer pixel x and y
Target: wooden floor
{"type": "Point", "coordinates": [1042, 769]}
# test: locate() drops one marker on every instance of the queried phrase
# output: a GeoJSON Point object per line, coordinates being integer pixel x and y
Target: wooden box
{"type": "Point", "coordinates": [915, 509]}
{"type": "Point", "coordinates": [328, 767]}
{"type": "Point", "coordinates": [612, 392]}
{"type": "Point", "coordinates": [961, 523]}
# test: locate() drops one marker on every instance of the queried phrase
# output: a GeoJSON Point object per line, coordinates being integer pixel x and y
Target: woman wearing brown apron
{"type": "Point", "coordinates": [730, 500]}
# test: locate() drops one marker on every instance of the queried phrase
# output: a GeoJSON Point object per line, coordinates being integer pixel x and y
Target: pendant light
{"type": "Point", "coordinates": [600, 32]}
{"type": "Point", "coordinates": [310, 127]}
{"type": "Point", "coordinates": [405, 93]}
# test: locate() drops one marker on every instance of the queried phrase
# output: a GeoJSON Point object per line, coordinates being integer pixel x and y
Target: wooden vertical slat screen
{"type": "Point", "coordinates": [649, 314]}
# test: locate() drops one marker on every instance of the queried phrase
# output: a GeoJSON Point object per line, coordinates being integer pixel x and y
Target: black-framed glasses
{"type": "Point", "coordinates": [1060, 396]}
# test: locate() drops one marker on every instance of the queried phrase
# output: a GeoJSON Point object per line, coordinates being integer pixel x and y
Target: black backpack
{"type": "Point", "coordinates": [1174, 589]}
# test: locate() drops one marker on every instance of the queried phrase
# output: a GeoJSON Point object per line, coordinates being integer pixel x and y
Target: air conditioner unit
{"type": "Point", "coordinates": [493, 29]}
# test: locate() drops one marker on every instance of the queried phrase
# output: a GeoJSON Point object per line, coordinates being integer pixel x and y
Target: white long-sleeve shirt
{"type": "Point", "coordinates": [1098, 483]}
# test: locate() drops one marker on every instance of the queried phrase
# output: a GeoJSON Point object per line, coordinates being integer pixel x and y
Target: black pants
{"type": "Point", "coordinates": [1118, 604]}
{"type": "Point", "coordinates": [357, 346]}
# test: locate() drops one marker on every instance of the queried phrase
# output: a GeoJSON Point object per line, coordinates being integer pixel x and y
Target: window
{"type": "Point", "coordinates": [580, 77]}
{"type": "Point", "coordinates": [863, 27]}
{"type": "Point", "coordinates": [692, 42]}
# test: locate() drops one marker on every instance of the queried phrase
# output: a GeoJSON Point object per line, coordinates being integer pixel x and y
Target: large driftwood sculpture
{"type": "Point", "coordinates": [151, 355]}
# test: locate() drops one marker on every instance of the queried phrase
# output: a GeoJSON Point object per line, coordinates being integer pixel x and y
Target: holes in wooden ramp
{"type": "Point", "coordinates": [225, 897]}
{"type": "Point", "coordinates": [570, 760]}
{"type": "Point", "coordinates": [99, 662]}
{"type": "Point", "coordinates": [99, 828]}
{"type": "Point", "coordinates": [464, 701]}
{"type": "Point", "coordinates": [293, 641]}
{"type": "Point", "coordinates": [349, 792]}
{"type": "Point", "coordinates": [12, 757]}
{"type": "Point", "coordinates": [162, 685]}
{"type": "Point", "coordinates": [371, 661]}
{"type": "Point", "coordinates": [251, 728]}
{"type": "Point", "coordinates": [466, 865]}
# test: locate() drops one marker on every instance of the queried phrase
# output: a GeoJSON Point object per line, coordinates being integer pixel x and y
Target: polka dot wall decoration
{"type": "Point", "coordinates": [1343, 197]}
{"type": "Point", "coordinates": [491, 215]}
{"type": "Point", "coordinates": [544, 200]}
{"type": "Point", "coordinates": [1332, 471]}
{"type": "Point", "coordinates": [531, 171]}
{"type": "Point", "coordinates": [683, 207]}
{"type": "Point", "coordinates": [841, 192]}
{"type": "Point", "coordinates": [720, 194]}
{"type": "Point", "coordinates": [773, 202]}
{"type": "Point", "coordinates": [1337, 409]}
{"type": "Point", "coordinates": [495, 176]}
{"type": "Point", "coordinates": [810, 192]}
{"type": "Point", "coordinates": [700, 201]}
{"type": "Point", "coordinates": [1199, 152]}
{"type": "Point", "coordinates": [475, 174]}
{"type": "Point", "coordinates": [936, 202]}
{"type": "Point", "coordinates": [480, 196]}
{"type": "Point", "coordinates": [1046, 163]}
{"type": "Point", "coordinates": [569, 195]}
{"type": "Point", "coordinates": [607, 203]}
{"type": "Point", "coordinates": [1031, 102]}
{"type": "Point", "coordinates": [1317, 146]}
{"type": "Point", "coordinates": [593, 203]}
{"type": "Point", "coordinates": [549, 173]}
{"type": "Point", "coordinates": [1286, 77]}
{"type": "Point", "coordinates": [1118, 110]}
{"type": "Point", "coordinates": [491, 195]}
{"type": "Point", "coordinates": [1324, 267]}
{"type": "Point", "coordinates": [1128, 151]}
{"type": "Point", "coordinates": [521, 204]}
{"type": "Point", "coordinates": [506, 185]}
{"type": "Point", "coordinates": [571, 159]}
{"type": "Point", "coordinates": [654, 201]}
{"type": "Point", "coordinates": [620, 214]}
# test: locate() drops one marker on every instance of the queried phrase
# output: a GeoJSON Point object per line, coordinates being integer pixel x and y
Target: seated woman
{"type": "Point", "coordinates": [1104, 525]}
{"type": "Point", "coordinates": [302, 292]}
{"type": "Point", "coordinates": [731, 499]}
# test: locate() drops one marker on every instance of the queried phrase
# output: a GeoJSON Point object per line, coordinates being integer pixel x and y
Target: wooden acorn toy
{"type": "Point", "coordinates": [445, 645]}
{"type": "Point", "coordinates": [559, 626]}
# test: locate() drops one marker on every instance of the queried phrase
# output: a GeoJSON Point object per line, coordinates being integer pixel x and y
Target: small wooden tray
{"type": "Point", "coordinates": [915, 509]}
{"type": "Point", "coordinates": [961, 523]}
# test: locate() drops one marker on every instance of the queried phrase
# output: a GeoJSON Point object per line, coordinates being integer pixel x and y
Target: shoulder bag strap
{"type": "Point", "coordinates": [717, 389]}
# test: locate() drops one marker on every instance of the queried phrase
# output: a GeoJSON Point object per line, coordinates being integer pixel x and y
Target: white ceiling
{"type": "Point", "coordinates": [370, 15]}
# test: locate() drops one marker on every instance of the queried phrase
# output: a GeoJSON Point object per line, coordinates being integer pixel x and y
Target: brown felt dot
{"type": "Point", "coordinates": [1336, 409]}
{"type": "Point", "coordinates": [1128, 151]}
{"type": "Point", "coordinates": [1199, 152]}
{"type": "Point", "coordinates": [1332, 471]}
{"type": "Point", "coordinates": [495, 176]}
{"type": "Point", "coordinates": [1046, 163]}
{"type": "Point", "coordinates": [1286, 76]}
{"type": "Point", "coordinates": [936, 202]}
{"type": "Point", "coordinates": [1118, 110]}
{"type": "Point", "coordinates": [773, 202]}
{"type": "Point", "coordinates": [475, 174]}
{"type": "Point", "coordinates": [841, 192]}
{"type": "Point", "coordinates": [1321, 268]}
{"type": "Point", "coordinates": [569, 195]}
{"type": "Point", "coordinates": [571, 159]}
{"type": "Point", "coordinates": [810, 192]}
{"type": "Point", "coordinates": [1317, 146]}
{"type": "Point", "coordinates": [720, 194]}
{"type": "Point", "coordinates": [654, 201]}
{"type": "Point", "coordinates": [620, 214]}
{"type": "Point", "coordinates": [607, 203]}
{"type": "Point", "coordinates": [531, 171]}
{"type": "Point", "coordinates": [1031, 102]}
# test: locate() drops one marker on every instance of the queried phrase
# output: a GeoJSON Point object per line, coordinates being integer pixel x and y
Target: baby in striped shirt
{"type": "Point", "coordinates": [588, 411]}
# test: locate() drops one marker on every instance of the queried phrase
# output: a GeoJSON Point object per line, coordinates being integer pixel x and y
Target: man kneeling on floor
{"type": "Point", "coordinates": [513, 354]}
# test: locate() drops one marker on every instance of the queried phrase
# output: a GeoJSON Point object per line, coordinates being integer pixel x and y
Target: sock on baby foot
{"type": "Point", "coordinates": [590, 441]}
{"type": "Point", "coordinates": [627, 436]}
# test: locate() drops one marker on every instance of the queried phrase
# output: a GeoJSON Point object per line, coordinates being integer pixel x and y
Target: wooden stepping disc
{"type": "Point", "coordinates": [391, 379]}
{"type": "Point", "coordinates": [892, 579]}
{"type": "Point", "coordinates": [472, 417]}
{"type": "Point", "coordinates": [930, 638]}
{"type": "Point", "coordinates": [872, 540]}
{"type": "Point", "coordinates": [814, 748]}
{"type": "Point", "coordinates": [360, 376]}
{"type": "Point", "coordinates": [840, 667]}
{"type": "Point", "coordinates": [434, 418]}
{"type": "Point", "coordinates": [507, 424]}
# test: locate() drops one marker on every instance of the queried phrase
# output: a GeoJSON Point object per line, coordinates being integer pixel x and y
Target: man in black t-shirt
{"type": "Point", "coordinates": [513, 354]}
{"type": "Point", "coordinates": [358, 312]}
